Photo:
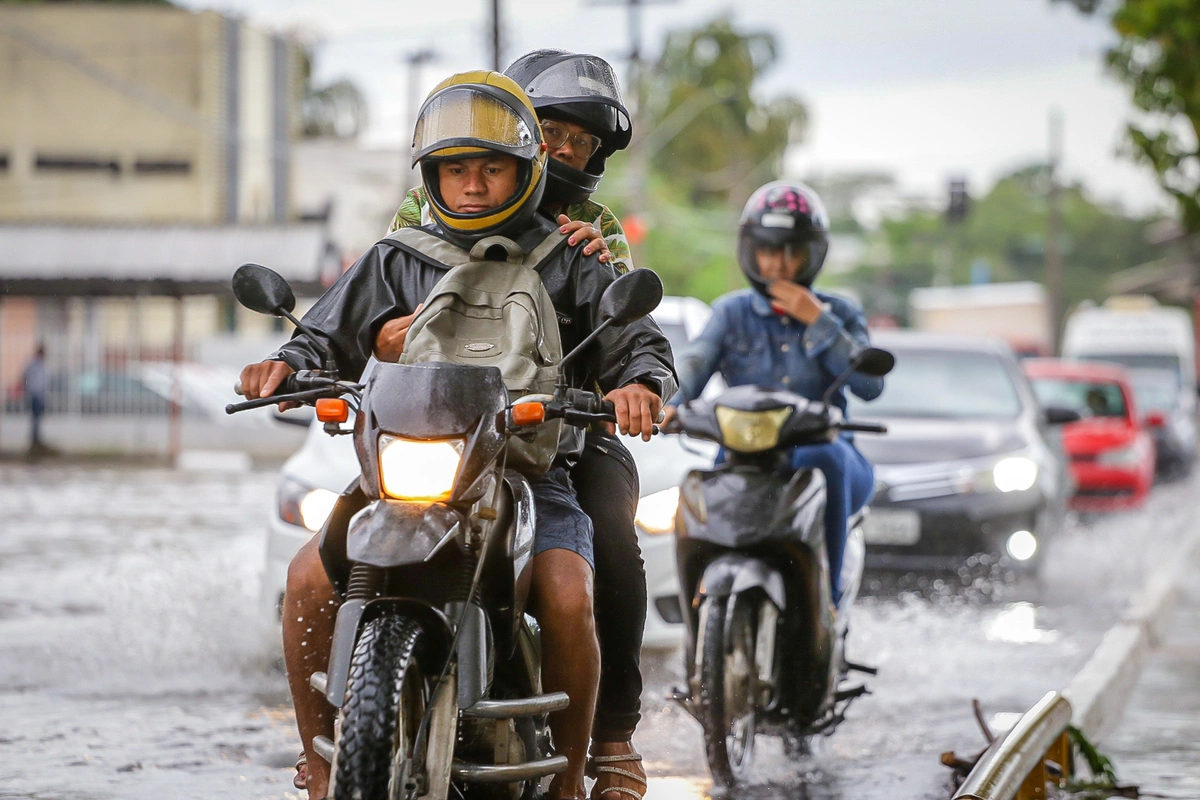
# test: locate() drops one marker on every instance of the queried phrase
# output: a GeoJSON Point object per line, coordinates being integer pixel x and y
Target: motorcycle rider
{"type": "Point", "coordinates": [783, 334]}
{"type": "Point", "coordinates": [482, 161]}
{"type": "Point", "coordinates": [583, 122]}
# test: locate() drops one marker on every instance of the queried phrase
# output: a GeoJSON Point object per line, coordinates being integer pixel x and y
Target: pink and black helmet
{"type": "Point", "coordinates": [784, 215]}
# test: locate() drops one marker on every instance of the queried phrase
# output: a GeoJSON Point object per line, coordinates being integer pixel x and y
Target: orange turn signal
{"type": "Point", "coordinates": [332, 409]}
{"type": "Point", "coordinates": [528, 413]}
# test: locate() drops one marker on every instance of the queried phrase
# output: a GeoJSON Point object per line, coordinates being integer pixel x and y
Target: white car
{"type": "Point", "coordinates": [324, 466]}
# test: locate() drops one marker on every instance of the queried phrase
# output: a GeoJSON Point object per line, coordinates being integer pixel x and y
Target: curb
{"type": "Point", "coordinates": [1099, 693]}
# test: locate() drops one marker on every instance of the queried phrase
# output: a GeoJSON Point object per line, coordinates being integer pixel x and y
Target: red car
{"type": "Point", "coordinates": [1111, 452]}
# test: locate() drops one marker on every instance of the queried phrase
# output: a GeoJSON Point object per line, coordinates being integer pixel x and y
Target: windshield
{"type": "Point", "coordinates": [1089, 398]}
{"type": "Point", "coordinates": [1155, 389]}
{"type": "Point", "coordinates": [944, 384]}
{"type": "Point", "coordinates": [1136, 360]}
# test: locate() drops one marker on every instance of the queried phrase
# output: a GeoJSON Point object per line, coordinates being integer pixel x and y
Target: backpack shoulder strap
{"type": "Point", "coordinates": [426, 246]}
{"type": "Point", "coordinates": [548, 247]}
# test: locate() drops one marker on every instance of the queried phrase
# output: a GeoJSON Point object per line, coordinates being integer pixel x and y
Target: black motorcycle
{"type": "Point", "coordinates": [765, 645]}
{"type": "Point", "coordinates": [435, 666]}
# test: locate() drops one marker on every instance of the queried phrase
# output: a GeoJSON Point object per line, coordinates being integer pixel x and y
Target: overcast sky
{"type": "Point", "coordinates": [926, 89]}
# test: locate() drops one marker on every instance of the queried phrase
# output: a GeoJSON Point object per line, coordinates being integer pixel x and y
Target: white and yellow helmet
{"type": "Point", "coordinates": [472, 114]}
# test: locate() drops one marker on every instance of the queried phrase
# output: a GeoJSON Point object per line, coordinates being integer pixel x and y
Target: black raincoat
{"type": "Point", "coordinates": [389, 281]}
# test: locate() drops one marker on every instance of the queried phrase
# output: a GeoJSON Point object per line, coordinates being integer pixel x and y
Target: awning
{"type": "Point", "coordinates": [125, 260]}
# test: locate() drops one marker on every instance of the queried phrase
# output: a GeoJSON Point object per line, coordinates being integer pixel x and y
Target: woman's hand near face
{"type": "Point", "coordinates": [796, 301]}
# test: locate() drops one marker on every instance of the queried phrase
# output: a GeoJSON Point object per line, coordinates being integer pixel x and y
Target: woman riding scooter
{"type": "Point", "coordinates": [782, 334]}
{"type": "Point", "coordinates": [583, 122]}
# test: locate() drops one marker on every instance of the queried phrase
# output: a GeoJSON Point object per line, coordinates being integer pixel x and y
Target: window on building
{"type": "Point", "coordinates": [162, 166]}
{"type": "Point", "coordinates": [68, 163]}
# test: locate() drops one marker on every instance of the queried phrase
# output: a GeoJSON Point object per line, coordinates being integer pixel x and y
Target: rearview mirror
{"type": "Point", "coordinates": [630, 297]}
{"type": "Point", "coordinates": [263, 290]}
{"type": "Point", "coordinates": [1056, 415]}
{"type": "Point", "coordinates": [874, 361]}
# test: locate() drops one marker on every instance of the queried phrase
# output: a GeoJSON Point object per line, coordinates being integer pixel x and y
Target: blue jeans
{"type": "Point", "coordinates": [850, 484]}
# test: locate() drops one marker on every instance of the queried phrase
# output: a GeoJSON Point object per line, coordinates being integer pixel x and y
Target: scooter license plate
{"type": "Point", "coordinates": [892, 527]}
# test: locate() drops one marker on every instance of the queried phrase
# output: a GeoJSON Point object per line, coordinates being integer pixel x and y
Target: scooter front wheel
{"type": "Point", "coordinates": [385, 700]}
{"type": "Point", "coordinates": [728, 678]}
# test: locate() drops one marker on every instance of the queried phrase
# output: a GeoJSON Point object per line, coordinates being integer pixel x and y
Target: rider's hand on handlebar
{"type": "Point", "coordinates": [389, 343]}
{"type": "Point", "coordinates": [262, 379]}
{"type": "Point", "coordinates": [636, 408]}
{"type": "Point", "coordinates": [580, 231]}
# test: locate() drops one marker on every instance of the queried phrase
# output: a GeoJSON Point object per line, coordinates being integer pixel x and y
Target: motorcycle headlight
{"type": "Point", "coordinates": [751, 431]}
{"type": "Point", "coordinates": [1014, 474]}
{"type": "Point", "coordinates": [300, 504]}
{"type": "Point", "coordinates": [656, 512]}
{"type": "Point", "coordinates": [1127, 456]}
{"type": "Point", "coordinates": [418, 471]}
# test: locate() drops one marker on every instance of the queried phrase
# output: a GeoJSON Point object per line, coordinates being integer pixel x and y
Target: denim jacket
{"type": "Point", "coordinates": [748, 343]}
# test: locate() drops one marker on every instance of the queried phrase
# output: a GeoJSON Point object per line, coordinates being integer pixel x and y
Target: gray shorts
{"type": "Point", "coordinates": [561, 523]}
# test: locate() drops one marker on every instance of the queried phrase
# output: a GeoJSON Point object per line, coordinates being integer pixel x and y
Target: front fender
{"type": "Point", "coordinates": [734, 573]}
{"type": "Point", "coordinates": [391, 533]}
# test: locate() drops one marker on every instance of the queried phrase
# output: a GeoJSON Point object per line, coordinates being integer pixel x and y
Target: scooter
{"type": "Point", "coordinates": [435, 667]}
{"type": "Point", "coordinates": [765, 650]}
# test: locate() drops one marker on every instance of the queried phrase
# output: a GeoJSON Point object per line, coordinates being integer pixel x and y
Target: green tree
{"type": "Point", "coordinates": [1006, 230]}
{"type": "Point", "coordinates": [708, 132]}
{"type": "Point", "coordinates": [1158, 56]}
{"type": "Point", "coordinates": [336, 109]}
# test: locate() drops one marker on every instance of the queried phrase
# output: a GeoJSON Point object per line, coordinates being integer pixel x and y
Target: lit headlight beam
{"type": "Point", "coordinates": [418, 471]}
{"type": "Point", "coordinates": [1014, 474]}
{"type": "Point", "coordinates": [656, 512]}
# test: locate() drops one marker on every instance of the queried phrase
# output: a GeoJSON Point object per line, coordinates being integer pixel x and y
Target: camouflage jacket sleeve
{"type": "Point", "coordinates": [614, 237]}
{"type": "Point", "coordinates": [409, 213]}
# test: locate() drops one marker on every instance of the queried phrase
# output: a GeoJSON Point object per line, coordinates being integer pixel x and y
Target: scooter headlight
{"type": "Point", "coordinates": [418, 471]}
{"type": "Point", "coordinates": [656, 512]}
{"type": "Point", "coordinates": [751, 431]}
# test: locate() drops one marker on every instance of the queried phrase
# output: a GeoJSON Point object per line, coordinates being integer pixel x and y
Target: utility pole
{"type": "Point", "coordinates": [415, 60]}
{"type": "Point", "coordinates": [496, 62]}
{"type": "Point", "coordinates": [1054, 267]}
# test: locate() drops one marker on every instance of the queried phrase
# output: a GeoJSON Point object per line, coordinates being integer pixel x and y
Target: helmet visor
{"type": "Point", "coordinates": [463, 119]}
{"type": "Point", "coordinates": [581, 79]}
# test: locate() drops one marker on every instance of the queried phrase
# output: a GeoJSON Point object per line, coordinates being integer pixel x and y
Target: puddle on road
{"type": "Point", "coordinates": [135, 667]}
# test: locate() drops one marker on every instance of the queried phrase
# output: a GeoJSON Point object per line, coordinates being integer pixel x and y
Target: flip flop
{"type": "Point", "coordinates": [598, 765]}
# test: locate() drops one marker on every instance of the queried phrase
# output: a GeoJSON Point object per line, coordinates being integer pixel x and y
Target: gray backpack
{"type": "Point", "coordinates": [492, 314]}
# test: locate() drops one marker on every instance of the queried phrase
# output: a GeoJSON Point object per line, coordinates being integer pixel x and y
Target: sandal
{"type": "Point", "coordinates": [301, 779]}
{"type": "Point", "coordinates": [596, 768]}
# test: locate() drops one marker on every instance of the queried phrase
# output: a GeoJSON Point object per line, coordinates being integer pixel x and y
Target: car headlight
{"type": "Point", "coordinates": [302, 505]}
{"type": "Point", "coordinates": [1127, 456]}
{"type": "Point", "coordinates": [751, 431]}
{"type": "Point", "coordinates": [1014, 474]}
{"type": "Point", "coordinates": [656, 512]}
{"type": "Point", "coordinates": [418, 471]}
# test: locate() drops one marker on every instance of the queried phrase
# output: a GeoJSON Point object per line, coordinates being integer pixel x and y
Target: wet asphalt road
{"type": "Point", "coordinates": [132, 664]}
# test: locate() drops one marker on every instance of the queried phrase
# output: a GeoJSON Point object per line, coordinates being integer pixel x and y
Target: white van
{"type": "Point", "coordinates": [1157, 345]}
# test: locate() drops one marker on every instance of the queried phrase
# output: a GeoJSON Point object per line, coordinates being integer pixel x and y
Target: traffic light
{"type": "Point", "coordinates": [960, 202]}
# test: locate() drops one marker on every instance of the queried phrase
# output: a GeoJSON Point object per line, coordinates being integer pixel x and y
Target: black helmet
{"type": "Point", "coordinates": [583, 89]}
{"type": "Point", "coordinates": [784, 215]}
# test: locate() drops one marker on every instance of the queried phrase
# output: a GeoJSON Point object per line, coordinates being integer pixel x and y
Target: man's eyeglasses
{"type": "Point", "coordinates": [556, 135]}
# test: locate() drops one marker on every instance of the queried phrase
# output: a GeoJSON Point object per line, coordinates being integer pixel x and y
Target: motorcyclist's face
{"type": "Point", "coordinates": [779, 263]}
{"type": "Point", "coordinates": [475, 185]}
{"type": "Point", "coordinates": [569, 152]}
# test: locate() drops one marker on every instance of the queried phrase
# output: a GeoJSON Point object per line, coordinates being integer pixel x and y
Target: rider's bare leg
{"type": "Point", "coordinates": [562, 602]}
{"type": "Point", "coordinates": [309, 612]}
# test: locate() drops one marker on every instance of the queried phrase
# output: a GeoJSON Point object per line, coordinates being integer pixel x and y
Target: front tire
{"type": "Point", "coordinates": [728, 680]}
{"type": "Point", "coordinates": [385, 700]}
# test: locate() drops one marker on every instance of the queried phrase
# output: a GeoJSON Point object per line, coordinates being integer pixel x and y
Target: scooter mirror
{"type": "Point", "coordinates": [631, 297]}
{"type": "Point", "coordinates": [874, 361]}
{"type": "Point", "coordinates": [263, 290]}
